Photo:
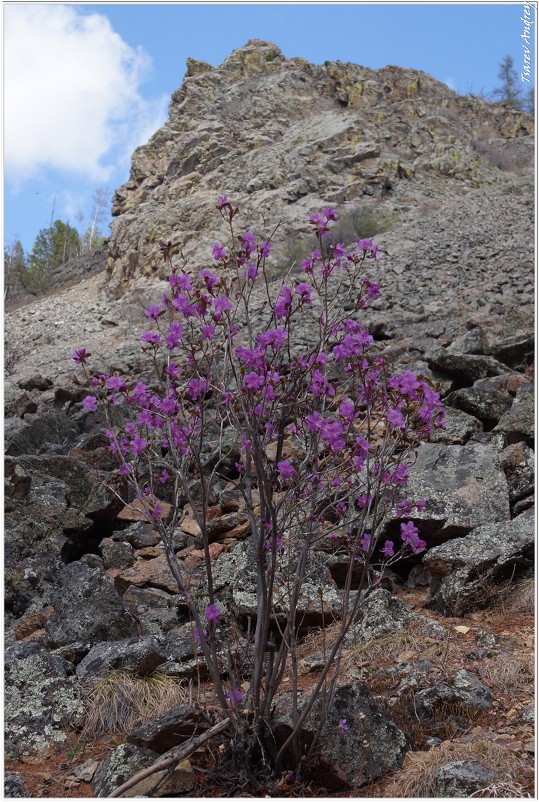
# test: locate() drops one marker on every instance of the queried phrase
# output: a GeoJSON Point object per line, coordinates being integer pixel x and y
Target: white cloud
{"type": "Point", "coordinates": [71, 92]}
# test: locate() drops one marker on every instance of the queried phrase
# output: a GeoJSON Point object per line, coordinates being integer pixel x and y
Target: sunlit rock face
{"type": "Point", "coordinates": [281, 137]}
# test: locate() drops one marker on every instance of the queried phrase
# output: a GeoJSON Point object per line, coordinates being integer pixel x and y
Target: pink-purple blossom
{"type": "Point", "coordinates": [218, 252]}
{"type": "Point", "coordinates": [389, 549]}
{"type": "Point", "coordinates": [286, 469]}
{"type": "Point", "coordinates": [153, 312]}
{"type": "Point", "coordinates": [235, 697]}
{"type": "Point", "coordinates": [283, 305]}
{"type": "Point", "coordinates": [212, 612]}
{"type": "Point", "coordinates": [89, 404]}
{"type": "Point", "coordinates": [151, 337]}
{"type": "Point", "coordinates": [80, 356]}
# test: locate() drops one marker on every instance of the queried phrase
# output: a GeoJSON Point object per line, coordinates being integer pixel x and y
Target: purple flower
{"type": "Point", "coordinates": [153, 312]}
{"type": "Point", "coordinates": [89, 404]}
{"type": "Point", "coordinates": [278, 544]}
{"type": "Point", "coordinates": [286, 469]}
{"type": "Point", "coordinates": [282, 307]}
{"type": "Point", "coordinates": [138, 444]}
{"type": "Point", "coordinates": [208, 332]}
{"type": "Point", "coordinates": [115, 383]}
{"type": "Point", "coordinates": [410, 537]}
{"type": "Point", "coordinates": [197, 387]}
{"type": "Point", "coordinates": [168, 406]}
{"type": "Point", "coordinates": [174, 336]}
{"type": "Point", "coordinates": [222, 200]}
{"type": "Point", "coordinates": [346, 410]}
{"type": "Point", "coordinates": [222, 304]}
{"type": "Point", "coordinates": [400, 475]}
{"type": "Point", "coordinates": [248, 242]}
{"type": "Point", "coordinates": [212, 612]}
{"type": "Point", "coordinates": [330, 213]}
{"type": "Point", "coordinates": [364, 244]}
{"type": "Point", "coordinates": [218, 252]}
{"type": "Point", "coordinates": [404, 508]}
{"type": "Point", "coordinates": [388, 550]}
{"type": "Point", "coordinates": [81, 356]}
{"type": "Point", "coordinates": [274, 337]}
{"type": "Point", "coordinates": [395, 419]}
{"type": "Point", "coordinates": [420, 505]}
{"type": "Point", "coordinates": [125, 469]}
{"type": "Point", "coordinates": [197, 636]}
{"type": "Point", "coordinates": [252, 272]}
{"type": "Point", "coordinates": [365, 541]}
{"type": "Point", "coordinates": [304, 291]}
{"type": "Point", "coordinates": [235, 697]}
{"type": "Point", "coordinates": [253, 381]}
{"type": "Point", "coordinates": [209, 279]}
{"type": "Point", "coordinates": [165, 476]}
{"type": "Point", "coordinates": [150, 337]}
{"type": "Point", "coordinates": [343, 725]}
{"type": "Point", "coordinates": [265, 248]}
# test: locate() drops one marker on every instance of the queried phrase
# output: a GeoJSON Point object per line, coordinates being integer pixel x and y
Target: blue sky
{"type": "Point", "coordinates": [85, 84]}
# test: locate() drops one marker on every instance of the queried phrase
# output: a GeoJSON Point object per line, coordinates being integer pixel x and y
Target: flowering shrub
{"type": "Point", "coordinates": [322, 438]}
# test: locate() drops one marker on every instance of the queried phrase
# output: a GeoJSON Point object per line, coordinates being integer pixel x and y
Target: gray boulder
{"type": "Point", "coordinates": [40, 700]}
{"type": "Point", "coordinates": [122, 763]}
{"type": "Point", "coordinates": [127, 759]}
{"type": "Point", "coordinates": [518, 463]}
{"type": "Point", "coordinates": [87, 608]}
{"type": "Point", "coordinates": [28, 435]}
{"type": "Point", "coordinates": [467, 367]}
{"type": "Point", "coordinates": [139, 656]}
{"type": "Point", "coordinates": [381, 614]}
{"type": "Point", "coordinates": [459, 428]}
{"type": "Point", "coordinates": [168, 730]}
{"type": "Point", "coordinates": [14, 786]}
{"type": "Point", "coordinates": [516, 351]}
{"type": "Point", "coordinates": [464, 778]}
{"type": "Point", "coordinates": [474, 341]}
{"type": "Point", "coordinates": [358, 741]}
{"type": "Point", "coordinates": [463, 486]}
{"type": "Point", "coordinates": [488, 399]}
{"type": "Point", "coordinates": [463, 572]}
{"type": "Point", "coordinates": [518, 423]}
{"type": "Point", "coordinates": [235, 574]}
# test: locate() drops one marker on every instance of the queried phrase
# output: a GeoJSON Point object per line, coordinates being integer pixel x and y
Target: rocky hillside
{"type": "Point", "coordinates": [437, 683]}
{"type": "Point", "coordinates": [283, 137]}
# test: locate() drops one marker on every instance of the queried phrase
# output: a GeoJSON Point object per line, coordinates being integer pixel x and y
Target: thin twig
{"type": "Point", "coordinates": [179, 754]}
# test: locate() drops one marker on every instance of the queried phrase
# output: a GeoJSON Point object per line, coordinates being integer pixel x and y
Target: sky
{"type": "Point", "coordinates": [84, 84]}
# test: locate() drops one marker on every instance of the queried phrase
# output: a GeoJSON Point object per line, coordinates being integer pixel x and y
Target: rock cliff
{"type": "Point", "coordinates": [283, 136]}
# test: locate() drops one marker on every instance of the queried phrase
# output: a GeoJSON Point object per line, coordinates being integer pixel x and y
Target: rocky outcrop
{"type": "Point", "coordinates": [282, 137]}
{"type": "Point", "coordinates": [41, 699]}
{"type": "Point", "coordinates": [464, 572]}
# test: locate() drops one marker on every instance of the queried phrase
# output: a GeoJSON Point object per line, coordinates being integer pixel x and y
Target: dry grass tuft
{"type": "Point", "coordinates": [512, 673]}
{"type": "Point", "coordinates": [120, 702]}
{"type": "Point", "coordinates": [418, 776]}
{"type": "Point", "coordinates": [518, 597]}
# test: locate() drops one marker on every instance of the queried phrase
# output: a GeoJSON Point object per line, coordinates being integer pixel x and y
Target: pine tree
{"type": "Point", "coordinates": [509, 92]}
{"type": "Point", "coordinates": [14, 267]}
{"type": "Point", "coordinates": [54, 246]}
